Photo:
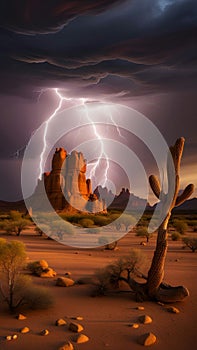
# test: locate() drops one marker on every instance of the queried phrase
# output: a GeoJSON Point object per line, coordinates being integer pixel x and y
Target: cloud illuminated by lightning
{"type": "Point", "coordinates": [102, 155]}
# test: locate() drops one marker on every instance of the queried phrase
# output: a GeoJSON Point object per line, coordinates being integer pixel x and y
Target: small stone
{"type": "Point", "coordinates": [81, 338]}
{"type": "Point", "coordinates": [8, 337]}
{"type": "Point", "coordinates": [64, 282]}
{"type": "Point", "coordinates": [172, 309]}
{"type": "Point", "coordinates": [67, 346]}
{"type": "Point", "coordinates": [60, 322]}
{"type": "Point", "coordinates": [68, 274]}
{"type": "Point", "coordinates": [15, 336]}
{"type": "Point", "coordinates": [140, 308]}
{"type": "Point", "coordinates": [160, 303]}
{"type": "Point", "coordinates": [78, 318]}
{"type": "Point", "coordinates": [75, 327]}
{"type": "Point", "coordinates": [25, 330]}
{"type": "Point", "coordinates": [21, 317]}
{"type": "Point", "coordinates": [44, 332]}
{"type": "Point", "coordinates": [145, 319]}
{"type": "Point", "coordinates": [147, 339]}
{"type": "Point", "coordinates": [134, 325]}
{"type": "Point", "coordinates": [143, 243]}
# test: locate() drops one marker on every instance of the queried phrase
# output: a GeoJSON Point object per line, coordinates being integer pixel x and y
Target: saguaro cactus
{"type": "Point", "coordinates": [155, 288]}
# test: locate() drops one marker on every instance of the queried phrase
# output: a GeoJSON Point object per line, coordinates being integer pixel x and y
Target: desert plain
{"type": "Point", "coordinates": [106, 319]}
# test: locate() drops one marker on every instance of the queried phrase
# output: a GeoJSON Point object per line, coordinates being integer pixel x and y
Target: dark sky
{"type": "Point", "coordinates": [137, 53]}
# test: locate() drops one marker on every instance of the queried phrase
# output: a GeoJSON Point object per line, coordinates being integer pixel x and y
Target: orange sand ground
{"type": "Point", "coordinates": [106, 319]}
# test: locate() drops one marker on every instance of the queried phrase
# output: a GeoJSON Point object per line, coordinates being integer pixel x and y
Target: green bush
{"type": "Point", "coordinates": [175, 236]}
{"type": "Point", "coordinates": [142, 231]}
{"type": "Point", "coordinates": [86, 222]}
{"type": "Point", "coordinates": [37, 298]}
{"type": "Point", "coordinates": [180, 226]}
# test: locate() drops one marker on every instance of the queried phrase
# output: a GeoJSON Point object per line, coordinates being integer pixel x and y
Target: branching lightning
{"type": "Point", "coordinates": [102, 155]}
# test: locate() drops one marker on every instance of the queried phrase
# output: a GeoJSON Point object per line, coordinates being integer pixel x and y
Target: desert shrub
{"type": "Point", "coordinates": [60, 228]}
{"type": "Point", "coordinates": [142, 231]}
{"type": "Point", "coordinates": [109, 277]}
{"type": "Point", "coordinates": [175, 236]}
{"type": "Point", "coordinates": [37, 298]}
{"type": "Point", "coordinates": [16, 223]}
{"type": "Point", "coordinates": [180, 226]}
{"type": "Point", "coordinates": [193, 224]}
{"type": "Point", "coordinates": [94, 230]}
{"type": "Point", "coordinates": [12, 260]}
{"type": "Point", "coordinates": [101, 220]}
{"type": "Point", "coordinates": [190, 242]}
{"type": "Point", "coordinates": [86, 222]}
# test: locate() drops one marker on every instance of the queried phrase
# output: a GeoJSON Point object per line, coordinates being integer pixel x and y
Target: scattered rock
{"type": "Point", "coordinates": [81, 338]}
{"type": "Point", "coordinates": [25, 330]}
{"type": "Point", "coordinates": [15, 336]}
{"type": "Point", "coordinates": [134, 325]}
{"type": "Point", "coordinates": [172, 309]}
{"type": "Point", "coordinates": [8, 337]}
{"type": "Point", "coordinates": [21, 317]}
{"type": "Point", "coordinates": [67, 346]}
{"type": "Point", "coordinates": [145, 319]}
{"type": "Point", "coordinates": [60, 322]}
{"type": "Point", "coordinates": [147, 339]}
{"type": "Point", "coordinates": [75, 327]}
{"type": "Point", "coordinates": [143, 243]}
{"type": "Point", "coordinates": [78, 318]}
{"type": "Point", "coordinates": [68, 274]}
{"type": "Point", "coordinates": [161, 304]}
{"type": "Point", "coordinates": [140, 308]}
{"type": "Point", "coordinates": [44, 332]}
{"type": "Point", "coordinates": [64, 282]}
{"type": "Point", "coordinates": [49, 272]}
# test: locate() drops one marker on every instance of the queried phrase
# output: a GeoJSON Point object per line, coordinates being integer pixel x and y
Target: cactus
{"type": "Point", "coordinates": [156, 271]}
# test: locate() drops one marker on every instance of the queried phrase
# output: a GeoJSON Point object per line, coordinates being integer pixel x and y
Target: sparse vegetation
{"type": "Point", "coordinates": [175, 236]}
{"type": "Point", "coordinates": [121, 270]}
{"type": "Point", "coordinates": [142, 231]}
{"type": "Point", "coordinates": [190, 242]}
{"type": "Point", "coordinates": [86, 222]}
{"type": "Point", "coordinates": [16, 289]}
{"type": "Point", "coordinates": [180, 225]}
{"type": "Point", "coordinates": [16, 223]}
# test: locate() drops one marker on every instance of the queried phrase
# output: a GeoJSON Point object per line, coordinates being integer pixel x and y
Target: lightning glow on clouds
{"type": "Point", "coordinates": [103, 156]}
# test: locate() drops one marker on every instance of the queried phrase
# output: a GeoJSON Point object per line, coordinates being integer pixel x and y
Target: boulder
{"type": "Point", "coordinates": [145, 319]}
{"type": "Point", "coordinates": [81, 338]}
{"type": "Point", "coordinates": [25, 330]}
{"type": "Point", "coordinates": [75, 327]}
{"type": "Point", "coordinates": [48, 273]}
{"type": "Point", "coordinates": [60, 322]}
{"type": "Point", "coordinates": [64, 282]}
{"type": "Point", "coordinates": [67, 346]}
{"type": "Point", "coordinates": [147, 339]}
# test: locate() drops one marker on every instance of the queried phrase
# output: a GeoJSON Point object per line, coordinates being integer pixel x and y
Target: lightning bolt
{"type": "Point", "coordinates": [102, 155]}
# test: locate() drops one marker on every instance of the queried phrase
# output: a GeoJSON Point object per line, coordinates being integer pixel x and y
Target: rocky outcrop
{"type": "Point", "coordinates": [66, 185]}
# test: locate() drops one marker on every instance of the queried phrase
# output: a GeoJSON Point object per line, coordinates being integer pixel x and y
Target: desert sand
{"type": "Point", "coordinates": [105, 319]}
